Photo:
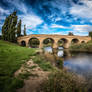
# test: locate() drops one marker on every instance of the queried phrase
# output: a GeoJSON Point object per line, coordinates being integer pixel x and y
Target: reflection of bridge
{"type": "Point", "coordinates": [67, 40]}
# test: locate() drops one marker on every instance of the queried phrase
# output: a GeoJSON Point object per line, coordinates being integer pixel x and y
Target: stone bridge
{"type": "Point", "coordinates": [67, 40]}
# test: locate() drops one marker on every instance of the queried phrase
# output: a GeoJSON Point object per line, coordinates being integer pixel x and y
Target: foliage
{"type": "Point", "coordinates": [25, 30]}
{"type": "Point", "coordinates": [90, 34]}
{"type": "Point", "coordinates": [62, 81]}
{"type": "Point", "coordinates": [34, 42]}
{"type": "Point", "coordinates": [9, 28]}
{"type": "Point", "coordinates": [70, 34]}
{"type": "Point", "coordinates": [48, 40]}
{"type": "Point", "coordinates": [0, 37]}
{"type": "Point", "coordinates": [82, 47]}
{"type": "Point", "coordinates": [11, 59]}
{"type": "Point", "coordinates": [19, 29]}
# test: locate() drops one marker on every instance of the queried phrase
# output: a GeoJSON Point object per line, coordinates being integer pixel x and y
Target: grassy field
{"type": "Point", "coordinates": [12, 57]}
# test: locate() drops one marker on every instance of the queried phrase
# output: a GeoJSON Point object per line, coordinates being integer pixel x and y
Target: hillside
{"type": "Point", "coordinates": [12, 57]}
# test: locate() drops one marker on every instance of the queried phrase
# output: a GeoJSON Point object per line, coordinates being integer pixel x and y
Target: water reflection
{"type": "Point", "coordinates": [48, 49]}
{"type": "Point", "coordinates": [80, 63]}
{"type": "Point", "coordinates": [60, 53]}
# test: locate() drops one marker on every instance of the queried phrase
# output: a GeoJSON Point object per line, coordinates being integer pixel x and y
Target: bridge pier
{"type": "Point", "coordinates": [55, 45]}
{"type": "Point", "coordinates": [41, 44]}
{"type": "Point", "coordinates": [27, 43]}
{"type": "Point", "coordinates": [66, 45]}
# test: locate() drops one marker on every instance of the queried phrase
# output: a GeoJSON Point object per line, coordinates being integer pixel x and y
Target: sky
{"type": "Point", "coordinates": [50, 16]}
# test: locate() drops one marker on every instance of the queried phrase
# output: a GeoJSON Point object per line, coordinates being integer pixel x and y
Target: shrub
{"type": "Point", "coordinates": [62, 81]}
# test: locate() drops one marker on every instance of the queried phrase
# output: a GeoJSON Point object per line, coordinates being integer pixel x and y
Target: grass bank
{"type": "Point", "coordinates": [43, 63]}
{"type": "Point", "coordinates": [11, 59]}
{"type": "Point", "coordinates": [83, 47]}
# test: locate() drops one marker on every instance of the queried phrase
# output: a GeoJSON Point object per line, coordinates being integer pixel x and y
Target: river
{"type": "Point", "coordinates": [79, 63]}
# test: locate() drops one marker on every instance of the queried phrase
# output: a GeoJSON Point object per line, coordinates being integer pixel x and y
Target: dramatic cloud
{"type": "Point", "coordinates": [50, 16]}
{"type": "Point", "coordinates": [30, 20]}
{"type": "Point", "coordinates": [3, 11]}
{"type": "Point", "coordinates": [20, 5]}
{"type": "Point", "coordinates": [82, 9]}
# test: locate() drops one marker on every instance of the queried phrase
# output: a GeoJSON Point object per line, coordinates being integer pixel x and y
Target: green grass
{"type": "Point", "coordinates": [43, 64]}
{"type": "Point", "coordinates": [12, 57]}
{"type": "Point", "coordinates": [26, 75]}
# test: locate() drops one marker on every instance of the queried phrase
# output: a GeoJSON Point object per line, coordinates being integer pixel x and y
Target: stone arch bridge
{"type": "Point", "coordinates": [67, 40]}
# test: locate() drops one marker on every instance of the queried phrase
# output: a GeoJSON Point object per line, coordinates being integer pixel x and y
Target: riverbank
{"type": "Point", "coordinates": [25, 69]}
{"type": "Point", "coordinates": [35, 77]}
{"type": "Point", "coordinates": [83, 47]}
{"type": "Point", "coordinates": [12, 57]}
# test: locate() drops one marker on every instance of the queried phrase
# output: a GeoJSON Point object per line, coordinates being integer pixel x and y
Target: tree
{"type": "Point", "coordinates": [12, 27]}
{"type": "Point", "coordinates": [5, 29]}
{"type": "Point", "coordinates": [19, 29]}
{"type": "Point", "coordinates": [25, 30]}
{"type": "Point", "coordinates": [71, 34]}
{"type": "Point", "coordinates": [9, 28]}
{"type": "Point", "coordinates": [90, 34]}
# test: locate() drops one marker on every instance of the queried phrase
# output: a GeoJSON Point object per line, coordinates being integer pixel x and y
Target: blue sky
{"type": "Point", "coordinates": [50, 16]}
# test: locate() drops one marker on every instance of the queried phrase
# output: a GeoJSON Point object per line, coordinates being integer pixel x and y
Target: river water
{"type": "Point", "coordinates": [79, 63]}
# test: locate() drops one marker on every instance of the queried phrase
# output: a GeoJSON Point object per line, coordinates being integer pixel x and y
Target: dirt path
{"type": "Point", "coordinates": [33, 82]}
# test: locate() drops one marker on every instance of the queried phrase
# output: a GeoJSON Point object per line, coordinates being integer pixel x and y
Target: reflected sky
{"type": "Point", "coordinates": [60, 53]}
{"type": "Point", "coordinates": [80, 63]}
{"type": "Point", "coordinates": [48, 49]}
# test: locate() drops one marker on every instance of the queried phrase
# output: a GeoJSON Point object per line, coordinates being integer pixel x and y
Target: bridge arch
{"type": "Point", "coordinates": [34, 42]}
{"type": "Point", "coordinates": [48, 41]}
{"type": "Point", "coordinates": [83, 42]}
{"type": "Point", "coordinates": [63, 42]}
{"type": "Point", "coordinates": [75, 41]}
{"type": "Point", "coordinates": [23, 43]}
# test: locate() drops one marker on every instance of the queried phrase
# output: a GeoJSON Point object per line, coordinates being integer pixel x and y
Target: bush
{"type": "Point", "coordinates": [62, 81]}
{"type": "Point", "coordinates": [82, 47]}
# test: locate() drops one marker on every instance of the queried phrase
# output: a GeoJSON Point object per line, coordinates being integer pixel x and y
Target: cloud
{"type": "Point", "coordinates": [30, 20]}
{"type": "Point", "coordinates": [2, 17]}
{"type": "Point", "coordinates": [82, 10]}
{"type": "Point", "coordinates": [18, 4]}
{"type": "Point", "coordinates": [57, 26]}
{"type": "Point", "coordinates": [62, 5]}
{"type": "Point", "coordinates": [82, 28]}
{"type": "Point", "coordinates": [3, 11]}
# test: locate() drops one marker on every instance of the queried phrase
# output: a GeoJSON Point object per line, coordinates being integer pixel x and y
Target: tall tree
{"type": "Point", "coordinates": [9, 28]}
{"type": "Point", "coordinates": [90, 34]}
{"type": "Point", "coordinates": [12, 27]}
{"type": "Point", "coordinates": [19, 29]}
{"type": "Point", "coordinates": [5, 29]}
{"type": "Point", "coordinates": [25, 30]}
